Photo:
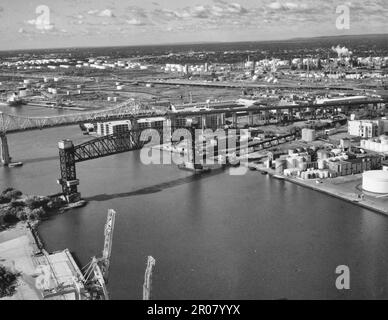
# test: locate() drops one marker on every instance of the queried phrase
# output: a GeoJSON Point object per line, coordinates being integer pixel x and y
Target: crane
{"type": "Point", "coordinates": [97, 270]}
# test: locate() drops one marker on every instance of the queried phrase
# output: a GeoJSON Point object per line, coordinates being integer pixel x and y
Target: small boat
{"type": "Point", "coordinates": [264, 173]}
{"type": "Point", "coordinates": [15, 164]}
{"type": "Point", "coordinates": [252, 168]}
{"type": "Point", "coordinates": [279, 177]}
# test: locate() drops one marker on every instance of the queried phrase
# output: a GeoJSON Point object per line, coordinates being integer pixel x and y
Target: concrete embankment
{"type": "Point", "coordinates": [39, 275]}
{"type": "Point", "coordinates": [344, 188]}
{"type": "Point", "coordinates": [17, 249]}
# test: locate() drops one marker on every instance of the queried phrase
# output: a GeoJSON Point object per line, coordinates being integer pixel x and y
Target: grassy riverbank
{"type": "Point", "coordinates": [16, 207]}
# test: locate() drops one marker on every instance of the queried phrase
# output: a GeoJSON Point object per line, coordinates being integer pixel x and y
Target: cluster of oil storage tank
{"type": "Point", "coordinates": [315, 174]}
{"type": "Point", "coordinates": [377, 145]}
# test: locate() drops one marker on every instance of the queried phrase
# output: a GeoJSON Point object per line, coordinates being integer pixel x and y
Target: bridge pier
{"type": "Point", "coordinates": [203, 122]}
{"type": "Point", "coordinates": [4, 150]}
{"type": "Point", "coordinates": [290, 114]}
{"type": "Point", "coordinates": [250, 119]}
{"type": "Point", "coordinates": [220, 120]}
{"type": "Point", "coordinates": [266, 117]}
{"type": "Point", "coordinates": [68, 179]}
{"type": "Point", "coordinates": [234, 120]}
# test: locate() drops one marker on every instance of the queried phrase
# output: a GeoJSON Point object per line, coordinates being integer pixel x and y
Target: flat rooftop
{"type": "Point", "coordinates": [18, 252]}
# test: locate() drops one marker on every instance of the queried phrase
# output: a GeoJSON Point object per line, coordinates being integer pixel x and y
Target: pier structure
{"type": "Point", "coordinates": [56, 276]}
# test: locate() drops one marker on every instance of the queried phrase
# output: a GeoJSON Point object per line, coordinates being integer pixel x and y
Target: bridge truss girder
{"type": "Point", "coordinates": [101, 147]}
{"type": "Point", "coordinates": [108, 145]}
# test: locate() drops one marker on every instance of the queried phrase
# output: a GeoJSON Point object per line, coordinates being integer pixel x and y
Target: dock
{"type": "Point", "coordinates": [43, 276]}
{"type": "Point", "coordinates": [346, 190]}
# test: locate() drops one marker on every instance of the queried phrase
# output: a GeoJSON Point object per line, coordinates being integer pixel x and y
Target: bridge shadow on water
{"type": "Point", "coordinates": [41, 159]}
{"type": "Point", "coordinates": [155, 188]}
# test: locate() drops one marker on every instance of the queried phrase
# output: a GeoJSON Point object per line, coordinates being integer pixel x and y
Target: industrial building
{"type": "Point", "coordinates": [378, 144]}
{"type": "Point", "coordinates": [157, 122]}
{"type": "Point", "coordinates": [114, 127]}
{"type": "Point", "coordinates": [309, 164]}
{"type": "Point", "coordinates": [363, 128]}
{"type": "Point", "coordinates": [308, 135]}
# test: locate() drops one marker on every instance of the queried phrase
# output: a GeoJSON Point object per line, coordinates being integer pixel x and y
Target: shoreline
{"type": "Point", "coordinates": [336, 195]}
{"type": "Point", "coordinates": [330, 190]}
{"type": "Point", "coordinates": [326, 188]}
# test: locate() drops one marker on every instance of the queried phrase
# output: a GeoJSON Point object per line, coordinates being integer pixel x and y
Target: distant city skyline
{"type": "Point", "coordinates": [89, 23]}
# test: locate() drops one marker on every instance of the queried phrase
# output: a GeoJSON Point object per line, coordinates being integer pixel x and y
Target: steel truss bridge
{"type": "Point", "coordinates": [108, 145]}
{"type": "Point", "coordinates": [127, 110]}
{"type": "Point", "coordinates": [70, 155]}
{"type": "Point", "coordinates": [134, 109]}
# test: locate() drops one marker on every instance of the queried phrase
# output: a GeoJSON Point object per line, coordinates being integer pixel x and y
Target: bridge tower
{"type": "Point", "coordinates": [4, 149]}
{"type": "Point", "coordinates": [68, 179]}
{"type": "Point", "coordinates": [250, 118]}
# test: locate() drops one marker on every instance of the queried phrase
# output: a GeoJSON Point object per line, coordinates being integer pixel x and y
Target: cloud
{"type": "Point", "coordinates": [103, 13]}
{"type": "Point", "coordinates": [135, 22]}
{"type": "Point", "coordinates": [220, 9]}
{"type": "Point", "coordinates": [41, 24]}
{"type": "Point", "coordinates": [93, 12]}
{"type": "Point", "coordinates": [106, 13]}
{"type": "Point", "coordinates": [281, 18]}
{"type": "Point", "coordinates": [287, 6]}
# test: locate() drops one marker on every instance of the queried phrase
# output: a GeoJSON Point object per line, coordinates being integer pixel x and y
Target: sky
{"type": "Point", "coordinates": [30, 24]}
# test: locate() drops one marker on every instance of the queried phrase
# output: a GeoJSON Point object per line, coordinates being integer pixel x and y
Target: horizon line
{"type": "Point", "coordinates": [193, 43]}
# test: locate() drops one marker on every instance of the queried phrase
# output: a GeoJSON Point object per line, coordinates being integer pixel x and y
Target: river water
{"type": "Point", "coordinates": [214, 236]}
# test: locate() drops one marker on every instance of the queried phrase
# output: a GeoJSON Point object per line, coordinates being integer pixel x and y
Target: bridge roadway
{"type": "Point", "coordinates": [13, 123]}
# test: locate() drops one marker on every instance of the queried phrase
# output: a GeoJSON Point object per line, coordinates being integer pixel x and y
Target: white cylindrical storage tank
{"type": "Point", "coordinates": [22, 92]}
{"type": "Point", "coordinates": [384, 139]}
{"type": "Point", "coordinates": [321, 164]}
{"type": "Point", "coordinates": [375, 181]}
{"type": "Point", "coordinates": [302, 166]}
